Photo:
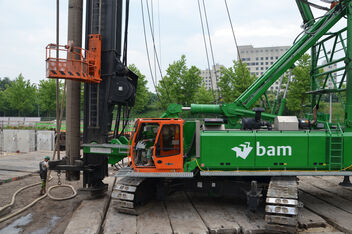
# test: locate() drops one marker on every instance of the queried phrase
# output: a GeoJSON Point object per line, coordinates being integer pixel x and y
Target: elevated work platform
{"type": "Point", "coordinates": [74, 63]}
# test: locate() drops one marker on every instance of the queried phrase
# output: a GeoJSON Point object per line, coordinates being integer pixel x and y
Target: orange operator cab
{"type": "Point", "coordinates": [157, 145]}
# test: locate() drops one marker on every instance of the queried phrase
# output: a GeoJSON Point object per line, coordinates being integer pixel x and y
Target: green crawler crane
{"type": "Point", "coordinates": [268, 152]}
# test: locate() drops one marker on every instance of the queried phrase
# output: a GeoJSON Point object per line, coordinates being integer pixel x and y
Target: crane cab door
{"type": "Point", "coordinates": [168, 150]}
{"type": "Point", "coordinates": [159, 141]}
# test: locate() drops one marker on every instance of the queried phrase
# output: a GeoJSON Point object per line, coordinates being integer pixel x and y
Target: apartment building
{"type": "Point", "coordinates": [211, 77]}
{"type": "Point", "coordinates": [261, 58]}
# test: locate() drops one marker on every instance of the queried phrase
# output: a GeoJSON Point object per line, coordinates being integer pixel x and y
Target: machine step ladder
{"type": "Point", "coordinates": [335, 148]}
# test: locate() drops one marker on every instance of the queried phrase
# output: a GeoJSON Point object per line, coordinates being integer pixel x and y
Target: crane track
{"type": "Point", "coordinates": [281, 208]}
{"type": "Point", "coordinates": [130, 193]}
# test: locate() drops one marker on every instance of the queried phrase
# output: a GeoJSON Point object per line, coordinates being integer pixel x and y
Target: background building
{"type": "Point", "coordinates": [333, 75]}
{"type": "Point", "coordinates": [211, 76]}
{"type": "Point", "coordinates": [260, 59]}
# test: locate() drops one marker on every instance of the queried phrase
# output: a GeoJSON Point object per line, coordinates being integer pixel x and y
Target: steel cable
{"type": "Point", "coordinates": [210, 44]}
{"type": "Point", "coordinates": [155, 51]}
{"type": "Point", "coordinates": [233, 32]}
{"type": "Point", "coordinates": [206, 49]}
{"type": "Point", "coordinates": [147, 50]}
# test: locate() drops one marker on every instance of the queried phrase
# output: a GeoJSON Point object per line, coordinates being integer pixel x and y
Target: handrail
{"type": "Point", "coordinates": [78, 64]}
{"type": "Point", "coordinates": [329, 129]}
{"type": "Point", "coordinates": [339, 128]}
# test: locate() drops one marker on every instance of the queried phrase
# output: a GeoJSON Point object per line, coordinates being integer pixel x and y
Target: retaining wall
{"type": "Point", "coordinates": [19, 121]}
{"type": "Point", "coordinates": [45, 140]}
{"type": "Point", "coordinates": [14, 140]}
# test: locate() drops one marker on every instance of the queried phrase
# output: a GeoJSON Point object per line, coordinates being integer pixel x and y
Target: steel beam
{"type": "Point", "coordinates": [348, 61]}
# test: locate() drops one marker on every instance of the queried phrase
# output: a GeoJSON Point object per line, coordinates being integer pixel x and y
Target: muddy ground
{"type": "Point", "coordinates": [46, 216]}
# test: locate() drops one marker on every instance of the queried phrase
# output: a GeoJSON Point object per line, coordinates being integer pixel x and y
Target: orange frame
{"type": "Point", "coordinates": [172, 163]}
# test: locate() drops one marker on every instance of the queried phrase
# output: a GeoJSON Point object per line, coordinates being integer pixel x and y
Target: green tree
{"type": "Point", "coordinates": [180, 84]}
{"type": "Point", "coordinates": [142, 95]}
{"type": "Point", "coordinates": [299, 85]}
{"type": "Point", "coordinates": [21, 96]}
{"type": "Point", "coordinates": [204, 96]}
{"type": "Point", "coordinates": [234, 81]}
{"type": "Point", "coordinates": [4, 82]}
{"type": "Point", "coordinates": [47, 96]}
{"type": "Point", "coordinates": [4, 105]}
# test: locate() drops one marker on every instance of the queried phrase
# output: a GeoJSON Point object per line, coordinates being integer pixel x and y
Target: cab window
{"type": "Point", "coordinates": [144, 142]}
{"type": "Point", "coordinates": [169, 141]}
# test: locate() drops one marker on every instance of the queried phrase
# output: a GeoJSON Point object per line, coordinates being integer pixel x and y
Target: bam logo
{"type": "Point", "coordinates": [245, 149]}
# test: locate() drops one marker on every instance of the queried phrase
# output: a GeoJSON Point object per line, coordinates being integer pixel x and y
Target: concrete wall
{"type": "Point", "coordinates": [1, 141]}
{"type": "Point", "coordinates": [13, 140]}
{"type": "Point", "coordinates": [45, 140]}
{"type": "Point", "coordinates": [19, 140]}
{"type": "Point", "coordinates": [18, 121]}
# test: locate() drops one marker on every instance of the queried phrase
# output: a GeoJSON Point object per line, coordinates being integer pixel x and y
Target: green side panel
{"type": "Point", "coordinates": [189, 128]}
{"type": "Point", "coordinates": [318, 150]}
{"type": "Point", "coordinates": [274, 150]}
{"type": "Point", "coordinates": [347, 142]}
{"type": "Point", "coordinates": [277, 150]}
{"type": "Point", "coordinates": [113, 159]}
{"type": "Point", "coordinates": [216, 149]}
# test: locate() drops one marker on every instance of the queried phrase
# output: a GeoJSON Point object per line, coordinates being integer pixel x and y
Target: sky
{"type": "Point", "coordinates": [28, 26]}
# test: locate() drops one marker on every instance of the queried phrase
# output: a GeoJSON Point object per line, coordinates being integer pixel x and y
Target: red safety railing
{"type": "Point", "coordinates": [76, 63]}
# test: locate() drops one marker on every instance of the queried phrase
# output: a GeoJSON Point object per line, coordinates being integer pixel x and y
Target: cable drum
{"type": "Point", "coordinates": [123, 91]}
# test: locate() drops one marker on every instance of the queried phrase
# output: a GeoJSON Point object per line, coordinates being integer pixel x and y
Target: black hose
{"type": "Point", "coordinates": [186, 155]}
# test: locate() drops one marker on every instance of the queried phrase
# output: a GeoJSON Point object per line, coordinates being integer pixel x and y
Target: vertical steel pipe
{"type": "Point", "coordinates": [73, 134]}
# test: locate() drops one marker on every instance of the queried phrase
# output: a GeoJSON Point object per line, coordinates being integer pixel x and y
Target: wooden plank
{"type": "Point", "coordinates": [336, 217]}
{"type": "Point", "coordinates": [212, 212]}
{"type": "Point", "coordinates": [92, 210]}
{"type": "Point", "coordinates": [117, 223]}
{"type": "Point", "coordinates": [249, 222]}
{"type": "Point", "coordinates": [154, 219]}
{"type": "Point", "coordinates": [335, 180]}
{"type": "Point", "coordinates": [328, 197]}
{"type": "Point", "coordinates": [308, 219]}
{"type": "Point", "coordinates": [283, 220]}
{"type": "Point", "coordinates": [331, 184]}
{"type": "Point", "coordinates": [88, 217]}
{"type": "Point", "coordinates": [183, 217]}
